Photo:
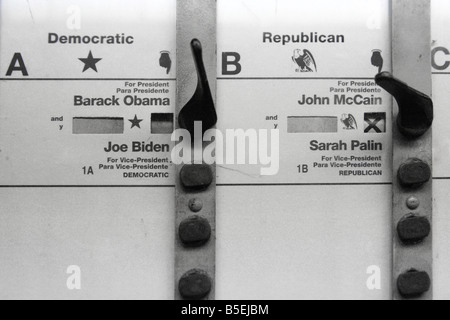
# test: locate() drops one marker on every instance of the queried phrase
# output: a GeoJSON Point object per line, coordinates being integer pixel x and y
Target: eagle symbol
{"type": "Point", "coordinates": [349, 121]}
{"type": "Point", "coordinates": [305, 61]}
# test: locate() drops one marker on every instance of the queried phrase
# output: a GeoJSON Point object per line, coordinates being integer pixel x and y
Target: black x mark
{"type": "Point", "coordinates": [373, 125]}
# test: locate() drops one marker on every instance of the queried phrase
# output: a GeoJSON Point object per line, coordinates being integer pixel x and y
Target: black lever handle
{"type": "Point", "coordinates": [415, 108]}
{"type": "Point", "coordinates": [201, 106]}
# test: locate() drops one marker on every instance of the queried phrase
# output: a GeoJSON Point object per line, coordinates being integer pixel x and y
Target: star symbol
{"type": "Point", "coordinates": [90, 62]}
{"type": "Point", "coordinates": [136, 122]}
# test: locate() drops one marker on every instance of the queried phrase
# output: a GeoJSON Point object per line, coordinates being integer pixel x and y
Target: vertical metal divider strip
{"type": "Point", "coordinates": [196, 19]}
{"type": "Point", "coordinates": [411, 60]}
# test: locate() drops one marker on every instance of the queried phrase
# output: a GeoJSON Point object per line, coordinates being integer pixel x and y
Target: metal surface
{"type": "Point", "coordinates": [411, 39]}
{"type": "Point", "coordinates": [196, 19]}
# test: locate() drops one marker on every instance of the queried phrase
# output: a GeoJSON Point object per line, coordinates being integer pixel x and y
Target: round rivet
{"type": "Point", "coordinates": [414, 173]}
{"type": "Point", "coordinates": [195, 285]}
{"type": "Point", "coordinates": [413, 229]}
{"type": "Point", "coordinates": [412, 203]}
{"type": "Point", "coordinates": [196, 205]}
{"type": "Point", "coordinates": [194, 231]}
{"type": "Point", "coordinates": [413, 284]}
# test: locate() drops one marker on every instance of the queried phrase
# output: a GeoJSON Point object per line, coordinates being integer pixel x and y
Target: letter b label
{"type": "Point", "coordinates": [230, 63]}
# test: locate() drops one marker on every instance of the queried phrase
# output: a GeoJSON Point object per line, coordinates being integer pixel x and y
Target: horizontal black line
{"type": "Point", "coordinates": [84, 79]}
{"type": "Point", "coordinates": [301, 184]}
{"type": "Point", "coordinates": [174, 79]}
{"type": "Point", "coordinates": [218, 185]}
{"type": "Point", "coordinates": [85, 186]}
{"type": "Point", "coordinates": [292, 78]}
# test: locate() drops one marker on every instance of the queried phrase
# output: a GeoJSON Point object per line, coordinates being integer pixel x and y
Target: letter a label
{"type": "Point", "coordinates": [17, 64]}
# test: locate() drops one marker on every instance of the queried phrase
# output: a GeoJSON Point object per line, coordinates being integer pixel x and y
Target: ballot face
{"type": "Point", "coordinates": [87, 115]}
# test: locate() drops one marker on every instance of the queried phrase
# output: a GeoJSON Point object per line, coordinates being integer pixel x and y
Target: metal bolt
{"type": "Point", "coordinates": [194, 231]}
{"type": "Point", "coordinates": [196, 176]}
{"type": "Point", "coordinates": [413, 229]}
{"type": "Point", "coordinates": [196, 205]}
{"type": "Point", "coordinates": [414, 173]}
{"type": "Point", "coordinates": [195, 285]}
{"type": "Point", "coordinates": [413, 284]}
{"type": "Point", "coordinates": [412, 203]}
